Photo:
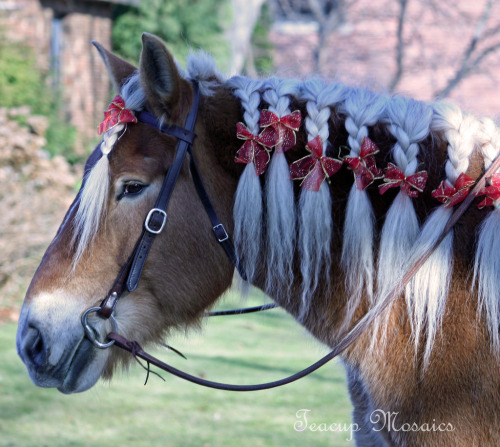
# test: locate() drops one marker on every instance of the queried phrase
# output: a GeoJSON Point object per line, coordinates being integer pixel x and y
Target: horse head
{"type": "Point", "coordinates": [185, 271]}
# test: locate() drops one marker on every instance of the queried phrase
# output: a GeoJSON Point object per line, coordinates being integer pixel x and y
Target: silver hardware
{"type": "Point", "coordinates": [148, 218]}
{"type": "Point", "coordinates": [90, 333]}
{"type": "Point", "coordinates": [224, 236]}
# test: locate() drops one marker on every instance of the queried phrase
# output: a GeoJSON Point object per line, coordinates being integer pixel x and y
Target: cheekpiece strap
{"type": "Point", "coordinates": [130, 273]}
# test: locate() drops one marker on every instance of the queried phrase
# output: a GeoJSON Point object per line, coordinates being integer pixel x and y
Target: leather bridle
{"type": "Point", "coordinates": [129, 275]}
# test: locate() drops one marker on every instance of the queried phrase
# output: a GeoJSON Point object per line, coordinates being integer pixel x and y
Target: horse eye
{"type": "Point", "coordinates": [132, 189]}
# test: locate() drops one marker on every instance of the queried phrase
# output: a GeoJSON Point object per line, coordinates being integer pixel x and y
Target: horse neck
{"type": "Point", "coordinates": [284, 259]}
{"type": "Point", "coordinates": [220, 113]}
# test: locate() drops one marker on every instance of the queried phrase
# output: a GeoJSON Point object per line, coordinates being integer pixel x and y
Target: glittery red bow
{"type": "Point", "coordinates": [410, 185]}
{"type": "Point", "coordinates": [116, 114]}
{"type": "Point", "coordinates": [450, 195]}
{"type": "Point", "coordinates": [492, 192]}
{"type": "Point", "coordinates": [253, 149]}
{"type": "Point", "coordinates": [364, 167]}
{"type": "Point", "coordinates": [280, 132]}
{"type": "Point", "coordinates": [314, 168]}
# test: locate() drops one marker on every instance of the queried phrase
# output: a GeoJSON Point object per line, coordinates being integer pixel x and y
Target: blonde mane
{"type": "Point", "coordinates": [410, 122]}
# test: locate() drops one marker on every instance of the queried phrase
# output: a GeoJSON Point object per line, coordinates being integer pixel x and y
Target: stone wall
{"type": "Point", "coordinates": [26, 21]}
{"type": "Point", "coordinates": [82, 77]}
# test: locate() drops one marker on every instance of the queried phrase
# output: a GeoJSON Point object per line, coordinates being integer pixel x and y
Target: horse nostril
{"type": "Point", "coordinates": [34, 347]}
{"type": "Point", "coordinates": [38, 345]}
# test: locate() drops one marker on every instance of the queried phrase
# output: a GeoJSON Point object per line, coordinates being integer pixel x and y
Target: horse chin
{"type": "Point", "coordinates": [77, 371]}
{"type": "Point", "coordinates": [84, 369]}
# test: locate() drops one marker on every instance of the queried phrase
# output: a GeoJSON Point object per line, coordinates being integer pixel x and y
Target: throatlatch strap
{"type": "Point", "coordinates": [219, 229]}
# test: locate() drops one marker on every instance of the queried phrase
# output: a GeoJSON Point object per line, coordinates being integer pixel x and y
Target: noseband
{"type": "Point", "coordinates": [129, 275]}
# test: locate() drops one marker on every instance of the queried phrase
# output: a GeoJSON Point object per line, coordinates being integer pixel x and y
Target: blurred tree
{"type": "Point", "coordinates": [197, 23]}
{"type": "Point", "coordinates": [481, 32]}
{"type": "Point", "coordinates": [259, 60]}
{"type": "Point", "coordinates": [182, 24]}
{"type": "Point", "coordinates": [20, 82]}
{"type": "Point", "coordinates": [481, 37]}
{"type": "Point", "coordinates": [245, 16]}
{"type": "Point", "coordinates": [329, 15]}
{"type": "Point", "coordinates": [483, 42]}
{"type": "Point", "coordinates": [23, 84]}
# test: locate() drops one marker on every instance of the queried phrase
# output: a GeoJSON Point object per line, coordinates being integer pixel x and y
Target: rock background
{"type": "Point", "coordinates": [35, 193]}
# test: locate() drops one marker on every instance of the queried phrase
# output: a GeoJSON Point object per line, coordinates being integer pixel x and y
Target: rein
{"type": "Point", "coordinates": [245, 310]}
{"type": "Point", "coordinates": [128, 278]}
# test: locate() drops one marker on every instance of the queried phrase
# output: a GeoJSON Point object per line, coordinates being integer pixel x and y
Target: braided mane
{"type": "Point", "coordinates": [402, 240]}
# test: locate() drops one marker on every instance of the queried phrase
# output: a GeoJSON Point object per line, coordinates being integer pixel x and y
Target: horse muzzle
{"type": "Point", "coordinates": [54, 348]}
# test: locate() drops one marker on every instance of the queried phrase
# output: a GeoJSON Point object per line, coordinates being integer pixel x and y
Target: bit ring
{"type": "Point", "coordinates": [91, 333]}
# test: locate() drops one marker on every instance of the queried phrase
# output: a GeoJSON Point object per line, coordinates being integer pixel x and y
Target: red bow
{"type": "Point", "coordinates": [253, 149]}
{"type": "Point", "coordinates": [410, 185]}
{"type": "Point", "coordinates": [314, 168]}
{"type": "Point", "coordinates": [364, 167]}
{"type": "Point", "coordinates": [280, 132]}
{"type": "Point", "coordinates": [492, 192]}
{"type": "Point", "coordinates": [116, 114]}
{"type": "Point", "coordinates": [450, 195]}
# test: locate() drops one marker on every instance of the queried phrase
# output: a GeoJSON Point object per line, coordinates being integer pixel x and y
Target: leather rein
{"type": "Point", "coordinates": [129, 275]}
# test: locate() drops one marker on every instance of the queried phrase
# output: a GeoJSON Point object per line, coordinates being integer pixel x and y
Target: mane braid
{"type": "Point", "coordinates": [430, 285]}
{"type": "Point", "coordinates": [280, 200]}
{"type": "Point", "coordinates": [315, 207]}
{"type": "Point", "coordinates": [363, 109]}
{"type": "Point", "coordinates": [248, 207]}
{"type": "Point", "coordinates": [487, 261]}
{"type": "Point", "coordinates": [409, 122]}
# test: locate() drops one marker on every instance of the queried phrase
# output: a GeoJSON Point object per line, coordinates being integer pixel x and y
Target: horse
{"type": "Point", "coordinates": [330, 193]}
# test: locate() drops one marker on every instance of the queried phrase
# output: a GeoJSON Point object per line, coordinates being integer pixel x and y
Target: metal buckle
{"type": "Point", "coordinates": [90, 333]}
{"type": "Point", "coordinates": [222, 234]}
{"type": "Point", "coordinates": [150, 215]}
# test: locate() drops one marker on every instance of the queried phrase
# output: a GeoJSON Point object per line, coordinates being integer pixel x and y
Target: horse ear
{"type": "Point", "coordinates": [160, 76]}
{"type": "Point", "coordinates": [119, 70]}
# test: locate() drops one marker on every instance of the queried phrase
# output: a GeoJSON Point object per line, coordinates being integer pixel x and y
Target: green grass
{"type": "Point", "coordinates": [237, 349]}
